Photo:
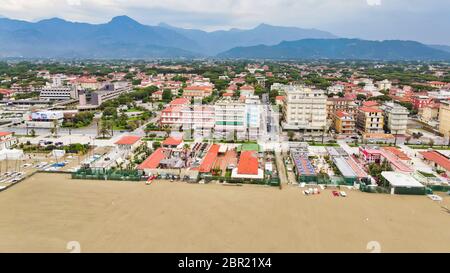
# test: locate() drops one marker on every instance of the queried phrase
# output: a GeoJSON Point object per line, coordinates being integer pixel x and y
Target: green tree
{"type": "Point", "coordinates": [105, 127]}
{"type": "Point", "coordinates": [156, 145]}
{"type": "Point", "coordinates": [167, 95]}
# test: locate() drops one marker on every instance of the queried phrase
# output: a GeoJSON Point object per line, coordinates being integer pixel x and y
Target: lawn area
{"type": "Point", "coordinates": [153, 139]}
{"type": "Point", "coordinates": [315, 144]}
{"type": "Point", "coordinates": [425, 147]}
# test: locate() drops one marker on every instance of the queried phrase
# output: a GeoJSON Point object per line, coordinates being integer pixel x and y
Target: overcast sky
{"type": "Point", "coordinates": [422, 20]}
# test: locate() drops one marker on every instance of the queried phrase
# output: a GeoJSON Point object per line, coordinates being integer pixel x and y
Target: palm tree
{"type": "Point", "coordinates": [54, 130]}
{"type": "Point", "coordinates": [104, 128]}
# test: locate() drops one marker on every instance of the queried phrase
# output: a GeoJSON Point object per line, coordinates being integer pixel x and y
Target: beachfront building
{"type": "Point", "coordinates": [396, 118]}
{"type": "Point", "coordinates": [344, 124]}
{"type": "Point", "coordinates": [248, 166]}
{"type": "Point", "coordinates": [7, 140]}
{"type": "Point", "coordinates": [128, 143]}
{"type": "Point", "coordinates": [444, 118]}
{"type": "Point", "coordinates": [151, 164]}
{"type": "Point", "coordinates": [347, 165]}
{"type": "Point", "coordinates": [370, 120]}
{"type": "Point", "coordinates": [230, 119]}
{"type": "Point", "coordinates": [303, 167]}
{"type": "Point", "coordinates": [196, 119]}
{"type": "Point", "coordinates": [437, 161]}
{"type": "Point", "coordinates": [377, 155]}
{"type": "Point", "coordinates": [172, 142]}
{"type": "Point", "coordinates": [254, 118]}
{"type": "Point", "coordinates": [305, 109]}
{"type": "Point", "coordinates": [400, 183]}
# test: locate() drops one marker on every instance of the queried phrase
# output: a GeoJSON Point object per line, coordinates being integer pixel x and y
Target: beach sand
{"type": "Point", "coordinates": [45, 212]}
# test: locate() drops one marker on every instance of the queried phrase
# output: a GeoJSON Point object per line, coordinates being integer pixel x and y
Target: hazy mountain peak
{"type": "Point", "coordinates": [263, 25]}
{"type": "Point", "coordinates": [52, 20]}
{"type": "Point", "coordinates": [123, 19]}
{"type": "Point", "coordinates": [165, 25]}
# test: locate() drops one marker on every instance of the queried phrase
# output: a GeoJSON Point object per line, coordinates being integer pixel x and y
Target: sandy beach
{"type": "Point", "coordinates": [45, 212]}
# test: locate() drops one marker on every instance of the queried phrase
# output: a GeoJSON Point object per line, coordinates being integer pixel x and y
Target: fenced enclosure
{"type": "Point", "coordinates": [115, 175]}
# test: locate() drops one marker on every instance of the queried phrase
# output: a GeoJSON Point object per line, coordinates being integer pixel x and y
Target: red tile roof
{"type": "Point", "coordinates": [172, 141]}
{"type": "Point", "coordinates": [437, 158]}
{"type": "Point", "coordinates": [398, 153]}
{"type": "Point", "coordinates": [209, 159]}
{"type": "Point", "coordinates": [180, 101]}
{"type": "Point", "coordinates": [195, 88]}
{"type": "Point", "coordinates": [342, 114]}
{"type": "Point", "coordinates": [248, 87]}
{"type": "Point", "coordinates": [171, 109]}
{"type": "Point", "coordinates": [370, 103]}
{"type": "Point", "coordinates": [2, 134]}
{"type": "Point", "coordinates": [370, 110]}
{"type": "Point", "coordinates": [152, 162]}
{"type": "Point", "coordinates": [6, 92]}
{"type": "Point", "coordinates": [248, 163]}
{"type": "Point", "coordinates": [128, 140]}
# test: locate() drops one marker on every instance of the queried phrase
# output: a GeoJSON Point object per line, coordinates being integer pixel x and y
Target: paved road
{"type": "Point", "coordinates": [281, 168]}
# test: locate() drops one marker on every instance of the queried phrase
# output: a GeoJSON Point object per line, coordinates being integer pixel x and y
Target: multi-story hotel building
{"type": "Point", "coordinates": [444, 118]}
{"type": "Point", "coordinates": [305, 109]}
{"type": "Point", "coordinates": [396, 118]}
{"type": "Point", "coordinates": [344, 124]}
{"type": "Point", "coordinates": [340, 104]}
{"type": "Point", "coordinates": [370, 120]}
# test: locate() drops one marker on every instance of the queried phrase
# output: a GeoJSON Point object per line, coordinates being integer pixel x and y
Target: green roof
{"type": "Point", "coordinates": [249, 147]}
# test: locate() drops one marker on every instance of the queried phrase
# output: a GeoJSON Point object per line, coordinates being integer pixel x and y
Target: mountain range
{"type": "Point", "coordinates": [124, 37]}
{"type": "Point", "coordinates": [354, 49]}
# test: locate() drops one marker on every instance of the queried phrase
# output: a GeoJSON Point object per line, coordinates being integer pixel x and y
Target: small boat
{"type": "Point", "coordinates": [343, 194]}
{"type": "Point", "coordinates": [436, 198]}
{"type": "Point", "coordinates": [150, 180]}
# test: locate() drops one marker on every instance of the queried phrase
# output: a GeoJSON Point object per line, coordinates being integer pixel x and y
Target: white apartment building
{"type": "Point", "coordinates": [254, 118]}
{"type": "Point", "coordinates": [230, 119]}
{"type": "Point", "coordinates": [384, 85]}
{"type": "Point", "coordinates": [58, 93]}
{"type": "Point", "coordinates": [305, 109]}
{"type": "Point", "coordinates": [396, 118]}
{"type": "Point", "coordinates": [196, 119]}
